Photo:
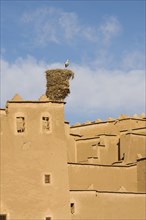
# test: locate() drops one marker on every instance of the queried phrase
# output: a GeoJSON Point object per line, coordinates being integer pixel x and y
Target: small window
{"type": "Point", "coordinates": [20, 124]}
{"type": "Point", "coordinates": [72, 207]}
{"type": "Point", "coordinates": [47, 178]}
{"type": "Point", "coordinates": [3, 217]}
{"type": "Point", "coordinates": [48, 218]}
{"type": "Point", "coordinates": [45, 124]}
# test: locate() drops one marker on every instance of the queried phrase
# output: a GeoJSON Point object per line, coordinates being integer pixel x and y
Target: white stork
{"type": "Point", "coordinates": [67, 63]}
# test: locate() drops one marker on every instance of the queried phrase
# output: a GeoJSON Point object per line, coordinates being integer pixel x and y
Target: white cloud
{"type": "Point", "coordinates": [58, 26]}
{"type": "Point", "coordinates": [25, 76]}
{"type": "Point", "coordinates": [110, 90]}
{"type": "Point", "coordinates": [134, 59]}
{"type": "Point", "coordinates": [92, 91]}
{"type": "Point", "coordinates": [42, 24]}
{"type": "Point", "coordinates": [110, 28]}
{"type": "Point", "coordinates": [69, 22]}
{"type": "Point", "coordinates": [91, 34]}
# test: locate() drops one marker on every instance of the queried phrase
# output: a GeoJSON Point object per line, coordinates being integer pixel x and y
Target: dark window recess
{"type": "Point", "coordinates": [45, 123]}
{"type": "Point", "coordinates": [72, 207]}
{"type": "Point", "coordinates": [47, 178]}
{"type": "Point", "coordinates": [20, 123]}
{"type": "Point", "coordinates": [3, 217]}
{"type": "Point", "coordinates": [48, 218]}
{"type": "Point", "coordinates": [119, 156]}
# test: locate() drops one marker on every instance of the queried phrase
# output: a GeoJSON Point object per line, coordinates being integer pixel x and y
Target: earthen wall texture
{"type": "Point", "coordinates": [104, 148]}
{"type": "Point", "coordinates": [108, 206]}
{"type": "Point", "coordinates": [27, 157]}
{"type": "Point", "coordinates": [36, 144]}
{"type": "Point", "coordinates": [108, 127]}
{"type": "Point", "coordinates": [141, 175]}
{"type": "Point", "coordinates": [106, 178]}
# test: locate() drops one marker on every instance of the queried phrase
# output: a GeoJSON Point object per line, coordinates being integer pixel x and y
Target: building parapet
{"type": "Point", "coordinates": [135, 134]}
{"type": "Point", "coordinates": [134, 129]}
{"type": "Point", "coordinates": [105, 191]}
{"type": "Point", "coordinates": [87, 138]}
{"type": "Point", "coordinates": [142, 158]}
{"type": "Point", "coordinates": [102, 165]}
{"type": "Point", "coordinates": [108, 121]}
{"type": "Point", "coordinates": [37, 101]}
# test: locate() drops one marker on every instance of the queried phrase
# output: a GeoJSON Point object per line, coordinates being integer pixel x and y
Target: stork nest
{"type": "Point", "coordinates": [58, 83]}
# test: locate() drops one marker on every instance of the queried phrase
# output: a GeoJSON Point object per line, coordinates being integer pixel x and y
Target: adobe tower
{"type": "Point", "coordinates": [34, 173]}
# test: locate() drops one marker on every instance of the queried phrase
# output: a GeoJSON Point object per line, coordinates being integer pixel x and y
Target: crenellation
{"type": "Point", "coordinates": [135, 116]}
{"type": "Point", "coordinates": [142, 115]}
{"type": "Point", "coordinates": [43, 98]}
{"type": "Point", "coordinates": [87, 122]}
{"type": "Point", "coordinates": [17, 97]}
{"type": "Point", "coordinates": [110, 119]}
{"type": "Point", "coordinates": [122, 116]}
{"type": "Point", "coordinates": [98, 120]}
{"type": "Point", "coordinates": [77, 124]}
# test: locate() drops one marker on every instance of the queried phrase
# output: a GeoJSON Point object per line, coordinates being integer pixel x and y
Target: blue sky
{"type": "Point", "coordinates": [104, 40]}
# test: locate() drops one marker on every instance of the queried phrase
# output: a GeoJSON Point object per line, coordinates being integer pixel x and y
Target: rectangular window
{"type": "Point", "coordinates": [72, 207]}
{"type": "Point", "coordinates": [45, 124]}
{"type": "Point", "coordinates": [2, 217]}
{"type": "Point", "coordinates": [20, 124]}
{"type": "Point", "coordinates": [47, 178]}
{"type": "Point", "coordinates": [48, 218]}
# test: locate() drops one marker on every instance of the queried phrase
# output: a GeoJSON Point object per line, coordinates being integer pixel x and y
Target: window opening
{"type": "Point", "coordinates": [3, 217]}
{"type": "Point", "coordinates": [47, 178]}
{"type": "Point", "coordinates": [72, 207]}
{"type": "Point", "coordinates": [119, 155]}
{"type": "Point", "coordinates": [45, 124]}
{"type": "Point", "coordinates": [48, 218]}
{"type": "Point", "coordinates": [20, 122]}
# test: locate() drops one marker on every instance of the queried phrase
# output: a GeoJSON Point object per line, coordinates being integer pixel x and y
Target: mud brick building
{"type": "Point", "coordinates": [53, 171]}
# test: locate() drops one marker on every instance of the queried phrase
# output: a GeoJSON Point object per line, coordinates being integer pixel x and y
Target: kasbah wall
{"type": "Point", "coordinates": [53, 171]}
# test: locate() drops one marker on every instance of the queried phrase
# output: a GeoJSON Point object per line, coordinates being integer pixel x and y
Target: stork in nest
{"type": "Point", "coordinates": [67, 63]}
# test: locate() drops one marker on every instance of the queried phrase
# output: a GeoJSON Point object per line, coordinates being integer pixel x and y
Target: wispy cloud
{"type": "Point", "coordinates": [58, 26]}
{"type": "Point", "coordinates": [42, 25]}
{"type": "Point", "coordinates": [133, 59]}
{"type": "Point", "coordinates": [110, 28]}
{"type": "Point", "coordinates": [92, 91]}
{"type": "Point", "coordinates": [69, 22]}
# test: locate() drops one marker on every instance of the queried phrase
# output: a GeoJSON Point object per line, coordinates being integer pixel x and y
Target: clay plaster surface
{"type": "Point", "coordinates": [25, 159]}
{"type": "Point", "coordinates": [108, 206]}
